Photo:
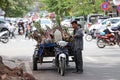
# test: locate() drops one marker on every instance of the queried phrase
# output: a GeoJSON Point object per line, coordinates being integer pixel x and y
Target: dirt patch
{"type": "Point", "coordinates": [16, 73]}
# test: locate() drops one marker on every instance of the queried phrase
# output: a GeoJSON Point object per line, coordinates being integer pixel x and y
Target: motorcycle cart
{"type": "Point", "coordinates": [48, 50]}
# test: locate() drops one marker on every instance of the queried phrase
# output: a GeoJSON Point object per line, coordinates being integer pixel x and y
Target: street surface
{"type": "Point", "coordinates": [99, 64]}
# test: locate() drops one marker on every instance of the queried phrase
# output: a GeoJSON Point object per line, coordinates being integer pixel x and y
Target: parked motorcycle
{"type": "Point", "coordinates": [61, 57]}
{"type": "Point", "coordinates": [91, 35]}
{"type": "Point", "coordinates": [4, 36]}
{"type": "Point", "coordinates": [104, 40]}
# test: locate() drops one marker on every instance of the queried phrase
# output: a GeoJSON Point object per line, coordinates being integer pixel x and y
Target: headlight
{"type": "Point", "coordinates": [62, 43]}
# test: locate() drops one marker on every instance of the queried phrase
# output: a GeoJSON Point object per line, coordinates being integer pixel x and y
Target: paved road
{"type": "Point", "coordinates": [99, 64]}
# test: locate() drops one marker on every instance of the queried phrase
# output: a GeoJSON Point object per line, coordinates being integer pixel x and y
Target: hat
{"type": "Point", "coordinates": [108, 23]}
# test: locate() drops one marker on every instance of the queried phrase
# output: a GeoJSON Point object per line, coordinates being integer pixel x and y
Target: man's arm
{"type": "Point", "coordinates": [110, 29]}
{"type": "Point", "coordinates": [79, 34]}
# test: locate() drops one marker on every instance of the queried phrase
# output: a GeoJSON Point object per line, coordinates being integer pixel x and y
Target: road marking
{"type": "Point", "coordinates": [27, 66]}
{"type": "Point", "coordinates": [91, 59]}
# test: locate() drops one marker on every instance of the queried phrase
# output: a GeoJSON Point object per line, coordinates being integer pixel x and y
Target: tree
{"type": "Point", "coordinates": [15, 8]}
{"type": "Point", "coordinates": [63, 8]}
{"type": "Point", "coordinates": [73, 7]}
{"type": "Point", "coordinates": [60, 7]}
{"type": "Point", "coordinates": [85, 7]}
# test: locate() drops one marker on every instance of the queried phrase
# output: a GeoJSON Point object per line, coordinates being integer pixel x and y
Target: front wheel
{"type": "Point", "coordinates": [88, 37]}
{"type": "Point", "coordinates": [62, 66]}
{"type": "Point", "coordinates": [4, 38]}
{"type": "Point", "coordinates": [101, 43]}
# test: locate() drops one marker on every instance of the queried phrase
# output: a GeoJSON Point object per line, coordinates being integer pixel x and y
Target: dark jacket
{"type": "Point", "coordinates": [78, 39]}
{"type": "Point", "coordinates": [107, 31]}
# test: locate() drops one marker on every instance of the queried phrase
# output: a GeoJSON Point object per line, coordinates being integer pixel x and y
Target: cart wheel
{"type": "Point", "coordinates": [34, 63]}
{"type": "Point", "coordinates": [62, 66]}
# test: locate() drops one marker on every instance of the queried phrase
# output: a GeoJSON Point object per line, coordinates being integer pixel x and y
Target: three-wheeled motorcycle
{"type": "Point", "coordinates": [61, 51]}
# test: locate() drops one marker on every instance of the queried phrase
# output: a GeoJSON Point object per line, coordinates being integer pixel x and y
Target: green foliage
{"type": "Point", "coordinates": [60, 7]}
{"type": "Point", "coordinates": [73, 7]}
{"type": "Point", "coordinates": [85, 7]}
{"type": "Point", "coordinates": [38, 27]}
{"type": "Point", "coordinates": [15, 8]}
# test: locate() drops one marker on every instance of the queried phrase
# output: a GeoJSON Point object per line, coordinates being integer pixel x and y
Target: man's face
{"type": "Point", "coordinates": [74, 25]}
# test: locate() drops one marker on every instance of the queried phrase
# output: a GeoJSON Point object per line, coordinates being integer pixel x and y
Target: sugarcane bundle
{"type": "Point", "coordinates": [43, 36]}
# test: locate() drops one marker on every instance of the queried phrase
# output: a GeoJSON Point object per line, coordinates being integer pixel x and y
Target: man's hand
{"type": "Point", "coordinates": [74, 36]}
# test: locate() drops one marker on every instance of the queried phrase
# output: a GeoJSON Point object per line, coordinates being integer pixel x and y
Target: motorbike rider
{"type": "Point", "coordinates": [117, 30]}
{"type": "Point", "coordinates": [108, 31]}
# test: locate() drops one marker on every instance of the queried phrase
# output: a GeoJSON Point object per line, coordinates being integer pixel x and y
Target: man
{"type": "Point", "coordinates": [78, 47]}
{"type": "Point", "coordinates": [108, 29]}
{"type": "Point", "coordinates": [12, 30]}
{"type": "Point", "coordinates": [109, 32]}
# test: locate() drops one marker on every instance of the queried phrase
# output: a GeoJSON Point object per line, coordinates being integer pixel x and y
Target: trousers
{"type": "Point", "coordinates": [78, 59]}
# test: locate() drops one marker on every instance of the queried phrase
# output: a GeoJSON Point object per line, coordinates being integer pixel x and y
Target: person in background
{"type": "Point", "coordinates": [28, 29]}
{"type": "Point", "coordinates": [19, 27]}
{"type": "Point", "coordinates": [12, 30]}
{"type": "Point", "coordinates": [78, 46]}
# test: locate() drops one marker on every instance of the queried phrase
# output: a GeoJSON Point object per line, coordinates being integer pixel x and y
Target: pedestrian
{"type": "Point", "coordinates": [78, 47]}
{"type": "Point", "coordinates": [23, 29]}
{"type": "Point", "coordinates": [19, 27]}
{"type": "Point", "coordinates": [12, 30]}
{"type": "Point", "coordinates": [28, 29]}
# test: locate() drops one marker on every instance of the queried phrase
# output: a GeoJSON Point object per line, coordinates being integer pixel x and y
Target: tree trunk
{"type": "Point", "coordinates": [6, 8]}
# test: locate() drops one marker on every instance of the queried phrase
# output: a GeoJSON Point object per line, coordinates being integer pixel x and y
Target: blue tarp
{"type": "Point", "coordinates": [42, 46]}
{"type": "Point", "coordinates": [48, 45]}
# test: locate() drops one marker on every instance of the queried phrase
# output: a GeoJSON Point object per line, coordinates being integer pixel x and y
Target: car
{"type": "Point", "coordinates": [45, 22]}
{"type": "Point", "coordinates": [4, 26]}
{"type": "Point", "coordinates": [115, 22]}
{"type": "Point", "coordinates": [97, 24]}
{"type": "Point", "coordinates": [80, 20]}
{"type": "Point", "coordinates": [91, 19]}
{"type": "Point", "coordinates": [66, 23]}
